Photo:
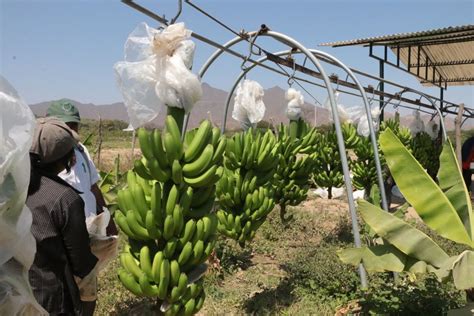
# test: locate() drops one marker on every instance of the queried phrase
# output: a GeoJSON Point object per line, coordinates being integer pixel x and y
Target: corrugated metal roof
{"type": "Point", "coordinates": [441, 33]}
{"type": "Point", "coordinates": [446, 52]}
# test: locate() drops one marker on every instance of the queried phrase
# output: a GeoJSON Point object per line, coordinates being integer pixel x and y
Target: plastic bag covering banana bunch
{"type": "Point", "coordinates": [295, 101]}
{"type": "Point", "coordinates": [156, 72]}
{"type": "Point", "coordinates": [363, 124]}
{"type": "Point", "coordinates": [328, 166]}
{"type": "Point", "coordinates": [298, 141]}
{"type": "Point", "coordinates": [166, 211]}
{"type": "Point", "coordinates": [17, 245]}
{"type": "Point", "coordinates": [249, 108]}
{"type": "Point", "coordinates": [245, 190]}
{"type": "Point", "coordinates": [417, 125]}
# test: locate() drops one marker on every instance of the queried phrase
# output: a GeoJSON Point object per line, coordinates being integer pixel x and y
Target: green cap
{"type": "Point", "coordinates": [64, 110]}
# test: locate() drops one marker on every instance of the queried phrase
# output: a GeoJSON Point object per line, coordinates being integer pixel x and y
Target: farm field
{"type": "Point", "coordinates": [290, 269]}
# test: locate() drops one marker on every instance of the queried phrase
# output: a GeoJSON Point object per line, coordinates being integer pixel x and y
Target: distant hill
{"type": "Point", "coordinates": [211, 106]}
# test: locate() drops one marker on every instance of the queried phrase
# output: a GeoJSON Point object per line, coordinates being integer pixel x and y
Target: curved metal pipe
{"type": "Point", "coordinates": [373, 137]}
{"type": "Point", "coordinates": [340, 140]}
{"type": "Point", "coordinates": [427, 97]}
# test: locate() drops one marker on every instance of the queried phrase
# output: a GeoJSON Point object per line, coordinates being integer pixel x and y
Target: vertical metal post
{"type": "Point", "coordinates": [382, 86]}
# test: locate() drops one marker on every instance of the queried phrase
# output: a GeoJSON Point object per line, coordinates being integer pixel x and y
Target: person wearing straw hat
{"type": "Point", "coordinates": [58, 226]}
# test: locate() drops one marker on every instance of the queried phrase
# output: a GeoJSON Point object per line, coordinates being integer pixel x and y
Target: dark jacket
{"type": "Point", "coordinates": [62, 242]}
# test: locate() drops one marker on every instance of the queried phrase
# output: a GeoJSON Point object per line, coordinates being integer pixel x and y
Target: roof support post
{"type": "Point", "coordinates": [381, 89]}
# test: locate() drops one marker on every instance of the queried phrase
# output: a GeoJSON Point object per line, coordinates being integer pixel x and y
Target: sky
{"type": "Point", "coordinates": [52, 49]}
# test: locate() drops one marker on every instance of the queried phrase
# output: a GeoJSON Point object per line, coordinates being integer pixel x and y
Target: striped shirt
{"type": "Point", "coordinates": [62, 241]}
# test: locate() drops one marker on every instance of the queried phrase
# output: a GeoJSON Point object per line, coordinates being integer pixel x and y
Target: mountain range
{"type": "Point", "coordinates": [211, 106]}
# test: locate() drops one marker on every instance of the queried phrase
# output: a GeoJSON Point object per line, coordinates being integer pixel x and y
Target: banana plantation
{"type": "Point", "coordinates": [348, 206]}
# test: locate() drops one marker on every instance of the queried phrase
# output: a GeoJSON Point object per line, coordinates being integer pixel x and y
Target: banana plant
{"type": "Point", "coordinates": [328, 167]}
{"type": "Point", "coordinates": [445, 207]}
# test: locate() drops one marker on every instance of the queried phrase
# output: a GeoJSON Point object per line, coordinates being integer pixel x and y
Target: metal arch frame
{"type": "Point", "coordinates": [340, 140]}
{"type": "Point", "coordinates": [364, 97]}
{"type": "Point", "coordinates": [433, 103]}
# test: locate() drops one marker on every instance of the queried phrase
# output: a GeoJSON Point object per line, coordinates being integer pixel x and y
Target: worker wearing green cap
{"type": "Point", "coordinates": [83, 176]}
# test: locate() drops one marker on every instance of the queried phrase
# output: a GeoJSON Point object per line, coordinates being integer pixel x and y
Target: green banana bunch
{"type": "Point", "coordinates": [426, 151]}
{"type": "Point", "coordinates": [190, 303]}
{"type": "Point", "coordinates": [327, 172]}
{"type": "Point", "coordinates": [166, 210]}
{"type": "Point", "coordinates": [364, 173]}
{"type": "Point", "coordinates": [403, 133]}
{"type": "Point", "coordinates": [245, 190]}
{"type": "Point", "coordinates": [297, 163]}
{"type": "Point", "coordinates": [194, 163]}
{"type": "Point", "coordinates": [349, 133]}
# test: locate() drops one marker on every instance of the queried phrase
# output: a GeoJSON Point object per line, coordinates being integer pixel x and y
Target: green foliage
{"type": "Point", "coordinates": [111, 182]}
{"type": "Point", "coordinates": [423, 296]}
{"type": "Point", "coordinates": [445, 207]}
{"type": "Point", "coordinates": [320, 272]}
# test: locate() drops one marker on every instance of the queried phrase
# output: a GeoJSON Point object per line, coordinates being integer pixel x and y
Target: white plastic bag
{"type": "Point", "coordinates": [432, 129]}
{"type": "Point", "coordinates": [17, 244]}
{"type": "Point", "coordinates": [16, 297]}
{"type": "Point", "coordinates": [156, 71]}
{"type": "Point", "coordinates": [295, 102]}
{"type": "Point", "coordinates": [363, 124]}
{"type": "Point", "coordinates": [104, 247]}
{"type": "Point", "coordinates": [346, 114]}
{"type": "Point", "coordinates": [417, 125]}
{"type": "Point", "coordinates": [249, 108]}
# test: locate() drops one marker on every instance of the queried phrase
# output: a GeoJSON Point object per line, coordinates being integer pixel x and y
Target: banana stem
{"type": "Point", "coordinates": [177, 114]}
{"type": "Point", "coordinates": [284, 219]}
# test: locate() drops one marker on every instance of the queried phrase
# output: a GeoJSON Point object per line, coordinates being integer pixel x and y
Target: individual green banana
{"type": "Point", "coordinates": [177, 172]}
{"type": "Point", "coordinates": [135, 226]}
{"type": "Point", "coordinates": [157, 172]}
{"type": "Point", "coordinates": [130, 264]}
{"type": "Point", "coordinates": [150, 225]}
{"type": "Point", "coordinates": [158, 150]}
{"type": "Point", "coordinates": [170, 248]}
{"type": "Point", "coordinates": [138, 195]}
{"type": "Point", "coordinates": [173, 197]}
{"type": "Point", "coordinates": [129, 282]}
{"type": "Point", "coordinates": [145, 261]}
{"type": "Point", "coordinates": [145, 143]}
{"type": "Point", "coordinates": [155, 202]}
{"type": "Point", "coordinates": [156, 266]}
{"type": "Point", "coordinates": [175, 273]}
{"type": "Point", "coordinates": [185, 254]}
{"type": "Point", "coordinates": [141, 170]}
{"type": "Point", "coordinates": [201, 164]}
{"type": "Point", "coordinates": [164, 279]}
{"type": "Point", "coordinates": [188, 231]}
{"type": "Point", "coordinates": [200, 140]}
{"type": "Point", "coordinates": [146, 287]}
{"type": "Point", "coordinates": [122, 222]}
{"type": "Point", "coordinates": [205, 179]}
{"type": "Point", "coordinates": [168, 227]}
{"type": "Point", "coordinates": [178, 219]}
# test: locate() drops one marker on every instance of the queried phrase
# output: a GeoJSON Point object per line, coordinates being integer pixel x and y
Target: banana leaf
{"type": "Point", "coordinates": [463, 270]}
{"type": "Point", "coordinates": [452, 183]}
{"type": "Point", "coordinates": [421, 191]}
{"type": "Point", "coordinates": [377, 258]}
{"type": "Point", "coordinates": [402, 235]}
